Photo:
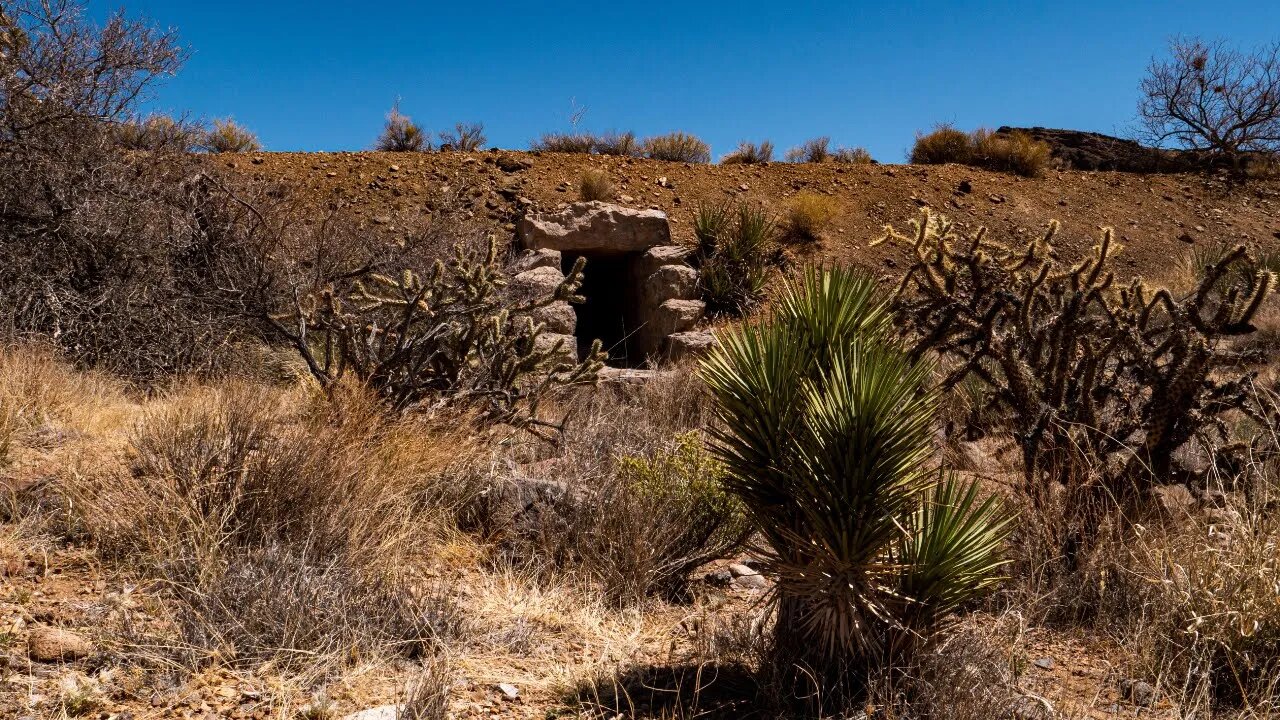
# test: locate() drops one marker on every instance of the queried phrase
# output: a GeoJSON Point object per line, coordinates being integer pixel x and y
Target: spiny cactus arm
{"type": "Point", "coordinates": [1243, 322]}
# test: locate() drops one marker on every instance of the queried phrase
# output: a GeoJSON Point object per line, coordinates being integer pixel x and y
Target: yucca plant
{"type": "Point", "coordinates": [825, 429]}
{"type": "Point", "coordinates": [735, 248]}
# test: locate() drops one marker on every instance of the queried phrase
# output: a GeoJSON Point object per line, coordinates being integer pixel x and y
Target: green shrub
{"type": "Point", "coordinates": [676, 147]}
{"type": "Point", "coordinates": [945, 144]}
{"type": "Point", "coordinates": [623, 144]}
{"type": "Point", "coordinates": [825, 430]}
{"type": "Point", "coordinates": [227, 136]}
{"type": "Point", "coordinates": [564, 143]}
{"type": "Point", "coordinates": [749, 154]}
{"type": "Point", "coordinates": [594, 185]}
{"type": "Point", "coordinates": [401, 134]}
{"type": "Point", "coordinates": [465, 137]}
{"type": "Point", "coordinates": [735, 249]}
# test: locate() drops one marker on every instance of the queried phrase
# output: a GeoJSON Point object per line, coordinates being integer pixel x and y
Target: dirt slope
{"type": "Point", "coordinates": [1157, 217]}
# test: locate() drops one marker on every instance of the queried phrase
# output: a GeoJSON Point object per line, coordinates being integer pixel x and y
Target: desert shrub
{"type": "Point", "coordinates": [1117, 380]}
{"type": "Point", "coordinates": [736, 246]}
{"type": "Point", "coordinates": [824, 427]}
{"type": "Point", "coordinates": [612, 143]}
{"type": "Point", "coordinates": [594, 185]}
{"type": "Point", "coordinates": [816, 150]}
{"type": "Point", "coordinates": [158, 133]}
{"type": "Point", "coordinates": [564, 143]}
{"type": "Point", "coordinates": [749, 153]}
{"type": "Point", "coordinates": [228, 136]}
{"type": "Point", "coordinates": [676, 147]}
{"type": "Point", "coordinates": [282, 529]}
{"type": "Point", "coordinates": [427, 696]}
{"type": "Point", "coordinates": [450, 336]}
{"type": "Point", "coordinates": [852, 156]}
{"type": "Point", "coordinates": [945, 144]}
{"type": "Point", "coordinates": [401, 134]}
{"type": "Point", "coordinates": [808, 214]}
{"type": "Point", "coordinates": [465, 137]}
{"type": "Point", "coordinates": [1016, 152]}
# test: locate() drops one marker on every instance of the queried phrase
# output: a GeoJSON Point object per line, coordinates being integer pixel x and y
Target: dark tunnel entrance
{"type": "Point", "coordinates": [610, 312]}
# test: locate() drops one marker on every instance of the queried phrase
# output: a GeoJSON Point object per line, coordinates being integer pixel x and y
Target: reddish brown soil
{"type": "Point", "coordinates": [1156, 217]}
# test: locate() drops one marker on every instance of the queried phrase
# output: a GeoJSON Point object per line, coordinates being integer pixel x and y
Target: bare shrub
{"type": "Point", "coordinates": [816, 150]}
{"type": "Point", "coordinates": [1213, 97]}
{"type": "Point", "coordinates": [852, 156]}
{"type": "Point", "coordinates": [749, 153]}
{"type": "Point", "coordinates": [621, 144]}
{"type": "Point", "coordinates": [676, 147]}
{"type": "Point", "coordinates": [465, 137]}
{"type": "Point", "coordinates": [427, 696]}
{"type": "Point", "coordinates": [159, 133]}
{"type": "Point", "coordinates": [944, 144]}
{"type": "Point", "coordinates": [401, 134]}
{"type": "Point", "coordinates": [808, 214]}
{"type": "Point", "coordinates": [564, 143]}
{"type": "Point", "coordinates": [594, 185]}
{"type": "Point", "coordinates": [282, 534]}
{"type": "Point", "coordinates": [228, 136]}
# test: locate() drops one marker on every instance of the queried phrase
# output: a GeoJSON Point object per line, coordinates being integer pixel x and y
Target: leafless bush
{"type": "Point", "coordinates": [1210, 96]}
{"type": "Point", "coordinates": [749, 154]}
{"type": "Point", "coordinates": [159, 133]}
{"type": "Point", "coordinates": [621, 144]}
{"type": "Point", "coordinates": [401, 134]}
{"type": "Point", "coordinates": [676, 147]}
{"type": "Point", "coordinates": [564, 143]}
{"type": "Point", "coordinates": [465, 137]}
{"type": "Point", "coordinates": [811, 151]}
{"type": "Point", "coordinates": [852, 156]}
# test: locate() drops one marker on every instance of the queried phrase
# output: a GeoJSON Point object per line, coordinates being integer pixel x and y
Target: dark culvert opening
{"type": "Point", "coordinates": [609, 312]}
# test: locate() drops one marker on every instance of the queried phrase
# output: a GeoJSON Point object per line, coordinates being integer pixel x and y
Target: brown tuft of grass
{"type": "Point", "coordinates": [676, 147]}
{"type": "Point", "coordinates": [816, 150]}
{"type": "Point", "coordinates": [594, 184]}
{"type": "Point", "coordinates": [228, 136]}
{"type": "Point", "coordinates": [1017, 152]}
{"type": "Point", "coordinates": [465, 137]}
{"type": "Point", "coordinates": [621, 144]}
{"type": "Point", "coordinates": [944, 144]}
{"type": "Point", "coordinates": [808, 214]}
{"type": "Point", "coordinates": [580, 143]}
{"type": "Point", "coordinates": [749, 153]}
{"type": "Point", "coordinates": [853, 156]}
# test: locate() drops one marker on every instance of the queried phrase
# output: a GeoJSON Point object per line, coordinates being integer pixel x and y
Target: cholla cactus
{"type": "Point", "coordinates": [1124, 376]}
{"type": "Point", "coordinates": [447, 337]}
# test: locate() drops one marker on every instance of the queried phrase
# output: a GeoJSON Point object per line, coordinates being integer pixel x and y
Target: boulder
{"type": "Point", "coordinates": [530, 259]}
{"type": "Point", "coordinates": [50, 644]}
{"type": "Point", "coordinates": [670, 282]}
{"type": "Point", "coordinates": [595, 227]}
{"type": "Point", "coordinates": [559, 317]}
{"type": "Point", "coordinates": [675, 316]}
{"type": "Point", "coordinates": [686, 344]}
{"type": "Point", "coordinates": [656, 257]}
{"type": "Point", "coordinates": [539, 282]}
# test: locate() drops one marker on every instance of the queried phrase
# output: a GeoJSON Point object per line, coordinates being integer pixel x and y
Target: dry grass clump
{"type": "Point", "coordinates": [749, 153]}
{"type": "Point", "coordinates": [427, 696]}
{"type": "Point", "coordinates": [581, 143]}
{"type": "Point", "coordinates": [613, 143]}
{"type": "Point", "coordinates": [1016, 152]}
{"type": "Point", "coordinates": [284, 526]}
{"type": "Point", "coordinates": [465, 137]}
{"type": "Point", "coordinates": [816, 150]}
{"type": "Point", "coordinates": [945, 144]}
{"type": "Point", "coordinates": [594, 184]}
{"type": "Point", "coordinates": [227, 136]}
{"type": "Point", "coordinates": [676, 147]}
{"type": "Point", "coordinates": [808, 214]}
{"type": "Point", "coordinates": [852, 156]}
{"type": "Point", "coordinates": [158, 133]}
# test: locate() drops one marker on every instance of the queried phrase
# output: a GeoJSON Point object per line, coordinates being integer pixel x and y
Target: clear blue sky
{"type": "Point", "coordinates": [321, 75]}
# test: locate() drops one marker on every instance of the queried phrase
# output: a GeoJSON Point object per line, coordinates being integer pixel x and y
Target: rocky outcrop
{"type": "Point", "coordinates": [1080, 150]}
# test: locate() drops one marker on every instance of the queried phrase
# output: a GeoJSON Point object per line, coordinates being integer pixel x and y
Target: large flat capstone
{"type": "Point", "coordinates": [597, 228]}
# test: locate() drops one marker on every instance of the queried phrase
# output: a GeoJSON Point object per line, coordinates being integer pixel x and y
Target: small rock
{"type": "Point", "coordinates": [744, 187]}
{"type": "Point", "coordinates": [719, 578]}
{"type": "Point", "coordinates": [1044, 663]}
{"type": "Point", "coordinates": [509, 691]}
{"type": "Point", "coordinates": [257, 161]}
{"type": "Point", "coordinates": [1138, 692]}
{"type": "Point", "coordinates": [50, 644]}
{"type": "Point", "coordinates": [1199, 228]}
{"type": "Point", "coordinates": [394, 168]}
{"type": "Point", "coordinates": [331, 174]}
{"type": "Point", "coordinates": [382, 220]}
{"type": "Point", "coordinates": [626, 199]}
{"type": "Point", "coordinates": [382, 712]}
{"type": "Point", "coordinates": [996, 198]}
{"type": "Point", "coordinates": [751, 582]}
{"type": "Point", "coordinates": [739, 569]}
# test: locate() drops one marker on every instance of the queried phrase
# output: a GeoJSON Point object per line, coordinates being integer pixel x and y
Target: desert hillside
{"type": "Point", "coordinates": [1157, 217]}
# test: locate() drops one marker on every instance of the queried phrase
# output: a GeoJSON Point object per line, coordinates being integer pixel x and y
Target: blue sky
{"type": "Point", "coordinates": [321, 75]}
